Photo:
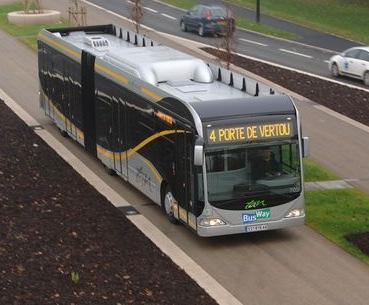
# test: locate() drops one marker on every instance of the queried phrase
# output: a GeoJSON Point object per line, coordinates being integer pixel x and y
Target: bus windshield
{"type": "Point", "coordinates": [252, 172]}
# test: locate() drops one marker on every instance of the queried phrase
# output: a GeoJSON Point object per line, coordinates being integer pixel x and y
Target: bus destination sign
{"type": "Point", "coordinates": [248, 133]}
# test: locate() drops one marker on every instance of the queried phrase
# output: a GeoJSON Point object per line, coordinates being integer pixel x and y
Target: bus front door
{"type": "Point", "coordinates": [182, 176]}
{"type": "Point", "coordinates": [119, 137]}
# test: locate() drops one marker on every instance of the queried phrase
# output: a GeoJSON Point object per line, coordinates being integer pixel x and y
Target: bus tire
{"type": "Point", "coordinates": [167, 201]}
{"type": "Point", "coordinates": [109, 171]}
{"type": "Point", "coordinates": [63, 133]}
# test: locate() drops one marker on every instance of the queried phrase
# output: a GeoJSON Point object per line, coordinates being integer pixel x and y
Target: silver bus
{"type": "Point", "coordinates": [218, 151]}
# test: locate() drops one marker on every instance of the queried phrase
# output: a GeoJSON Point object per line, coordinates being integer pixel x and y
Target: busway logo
{"type": "Point", "coordinates": [257, 215]}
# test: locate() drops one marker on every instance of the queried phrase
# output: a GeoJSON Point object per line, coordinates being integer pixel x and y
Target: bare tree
{"type": "Point", "coordinates": [227, 43]}
{"type": "Point", "coordinates": [137, 14]}
{"type": "Point", "coordinates": [29, 4]}
{"type": "Point", "coordinates": [77, 13]}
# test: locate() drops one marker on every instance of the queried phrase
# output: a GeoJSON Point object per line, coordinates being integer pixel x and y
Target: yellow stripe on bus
{"type": "Point", "coordinates": [57, 45]}
{"type": "Point", "coordinates": [153, 169]}
{"type": "Point", "coordinates": [111, 73]}
{"type": "Point", "coordinates": [151, 94]}
{"type": "Point", "coordinates": [106, 153]}
{"type": "Point", "coordinates": [62, 117]}
{"type": "Point", "coordinates": [148, 140]}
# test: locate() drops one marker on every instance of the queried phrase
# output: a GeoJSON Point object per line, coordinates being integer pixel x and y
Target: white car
{"type": "Point", "coordinates": [353, 62]}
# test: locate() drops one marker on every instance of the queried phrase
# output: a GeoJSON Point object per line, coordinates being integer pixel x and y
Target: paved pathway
{"type": "Point", "coordinates": [327, 185]}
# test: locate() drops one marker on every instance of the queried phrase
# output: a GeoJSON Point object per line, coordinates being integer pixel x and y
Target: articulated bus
{"type": "Point", "coordinates": [218, 151]}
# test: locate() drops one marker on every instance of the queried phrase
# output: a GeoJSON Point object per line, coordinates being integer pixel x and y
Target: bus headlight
{"type": "Point", "coordinates": [295, 213]}
{"type": "Point", "coordinates": [210, 222]}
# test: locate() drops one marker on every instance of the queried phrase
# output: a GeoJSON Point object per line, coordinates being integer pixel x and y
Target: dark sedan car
{"type": "Point", "coordinates": [205, 19]}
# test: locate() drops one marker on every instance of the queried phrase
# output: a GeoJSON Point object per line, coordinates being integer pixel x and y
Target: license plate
{"type": "Point", "coordinates": [256, 228]}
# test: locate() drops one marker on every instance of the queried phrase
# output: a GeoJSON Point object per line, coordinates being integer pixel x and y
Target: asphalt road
{"type": "Point", "coordinates": [312, 59]}
{"type": "Point", "coordinates": [292, 267]}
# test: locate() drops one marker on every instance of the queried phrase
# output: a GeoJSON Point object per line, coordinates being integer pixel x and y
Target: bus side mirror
{"type": "Point", "coordinates": [198, 154]}
{"type": "Point", "coordinates": [305, 147]}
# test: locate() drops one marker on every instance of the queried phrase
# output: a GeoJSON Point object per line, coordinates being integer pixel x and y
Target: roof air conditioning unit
{"type": "Point", "coordinates": [97, 42]}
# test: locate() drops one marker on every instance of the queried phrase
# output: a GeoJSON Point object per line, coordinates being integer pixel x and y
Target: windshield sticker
{"type": "Point", "coordinates": [255, 204]}
{"type": "Point", "coordinates": [255, 216]}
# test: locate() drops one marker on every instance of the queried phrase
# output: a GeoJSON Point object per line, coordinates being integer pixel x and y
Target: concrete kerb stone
{"type": "Point", "coordinates": [196, 272]}
{"type": "Point", "coordinates": [327, 185]}
{"type": "Point", "coordinates": [44, 17]}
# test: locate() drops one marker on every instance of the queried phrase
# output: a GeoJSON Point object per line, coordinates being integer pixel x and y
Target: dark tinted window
{"type": "Point", "coordinates": [364, 55]}
{"type": "Point", "coordinates": [352, 53]}
{"type": "Point", "coordinates": [218, 12]}
{"type": "Point", "coordinates": [196, 11]}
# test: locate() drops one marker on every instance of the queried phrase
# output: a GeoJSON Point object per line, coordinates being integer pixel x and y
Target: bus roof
{"type": "Point", "coordinates": [209, 89]}
{"type": "Point", "coordinates": [258, 106]}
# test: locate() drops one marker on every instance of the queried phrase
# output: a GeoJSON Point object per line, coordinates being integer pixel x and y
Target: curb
{"type": "Point", "coordinates": [179, 257]}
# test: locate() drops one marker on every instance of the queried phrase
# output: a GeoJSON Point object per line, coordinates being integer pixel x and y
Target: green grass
{"type": "Point", "coordinates": [241, 22]}
{"type": "Point", "coordinates": [26, 33]}
{"type": "Point", "coordinates": [337, 213]}
{"type": "Point", "coordinates": [314, 172]}
{"type": "Point", "coordinates": [185, 4]}
{"type": "Point", "coordinates": [346, 18]}
{"type": "Point", "coordinates": [264, 29]}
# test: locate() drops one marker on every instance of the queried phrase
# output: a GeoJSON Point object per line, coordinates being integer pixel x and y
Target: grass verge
{"type": "Point", "coordinates": [346, 18]}
{"type": "Point", "coordinates": [26, 33]}
{"type": "Point", "coordinates": [264, 29]}
{"type": "Point", "coordinates": [314, 172]}
{"type": "Point", "coordinates": [337, 213]}
{"type": "Point", "coordinates": [241, 22]}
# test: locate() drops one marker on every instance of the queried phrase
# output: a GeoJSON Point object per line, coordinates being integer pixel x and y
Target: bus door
{"type": "Point", "coordinates": [68, 101]}
{"type": "Point", "coordinates": [119, 145]}
{"type": "Point", "coordinates": [183, 172]}
{"type": "Point", "coordinates": [88, 102]}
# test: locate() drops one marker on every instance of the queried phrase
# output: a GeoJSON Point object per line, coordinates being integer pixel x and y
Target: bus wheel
{"type": "Point", "coordinates": [110, 172]}
{"type": "Point", "coordinates": [167, 205]}
{"type": "Point", "coordinates": [63, 133]}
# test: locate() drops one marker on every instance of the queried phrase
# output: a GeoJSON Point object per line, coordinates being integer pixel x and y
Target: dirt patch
{"type": "Point", "coordinates": [61, 242]}
{"type": "Point", "coordinates": [360, 240]}
{"type": "Point", "coordinates": [350, 102]}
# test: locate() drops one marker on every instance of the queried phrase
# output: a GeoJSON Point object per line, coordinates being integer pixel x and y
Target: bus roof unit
{"type": "Point", "coordinates": [170, 72]}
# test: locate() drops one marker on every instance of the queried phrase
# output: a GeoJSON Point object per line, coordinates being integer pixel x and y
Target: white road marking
{"type": "Point", "coordinates": [196, 44]}
{"type": "Point", "coordinates": [168, 16]}
{"type": "Point", "coordinates": [327, 61]}
{"type": "Point", "coordinates": [150, 9]}
{"type": "Point", "coordinates": [295, 53]}
{"type": "Point", "coordinates": [253, 42]}
{"type": "Point", "coordinates": [169, 5]}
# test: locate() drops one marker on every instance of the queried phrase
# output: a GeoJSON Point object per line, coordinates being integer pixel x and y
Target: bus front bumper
{"type": "Point", "coordinates": [228, 229]}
